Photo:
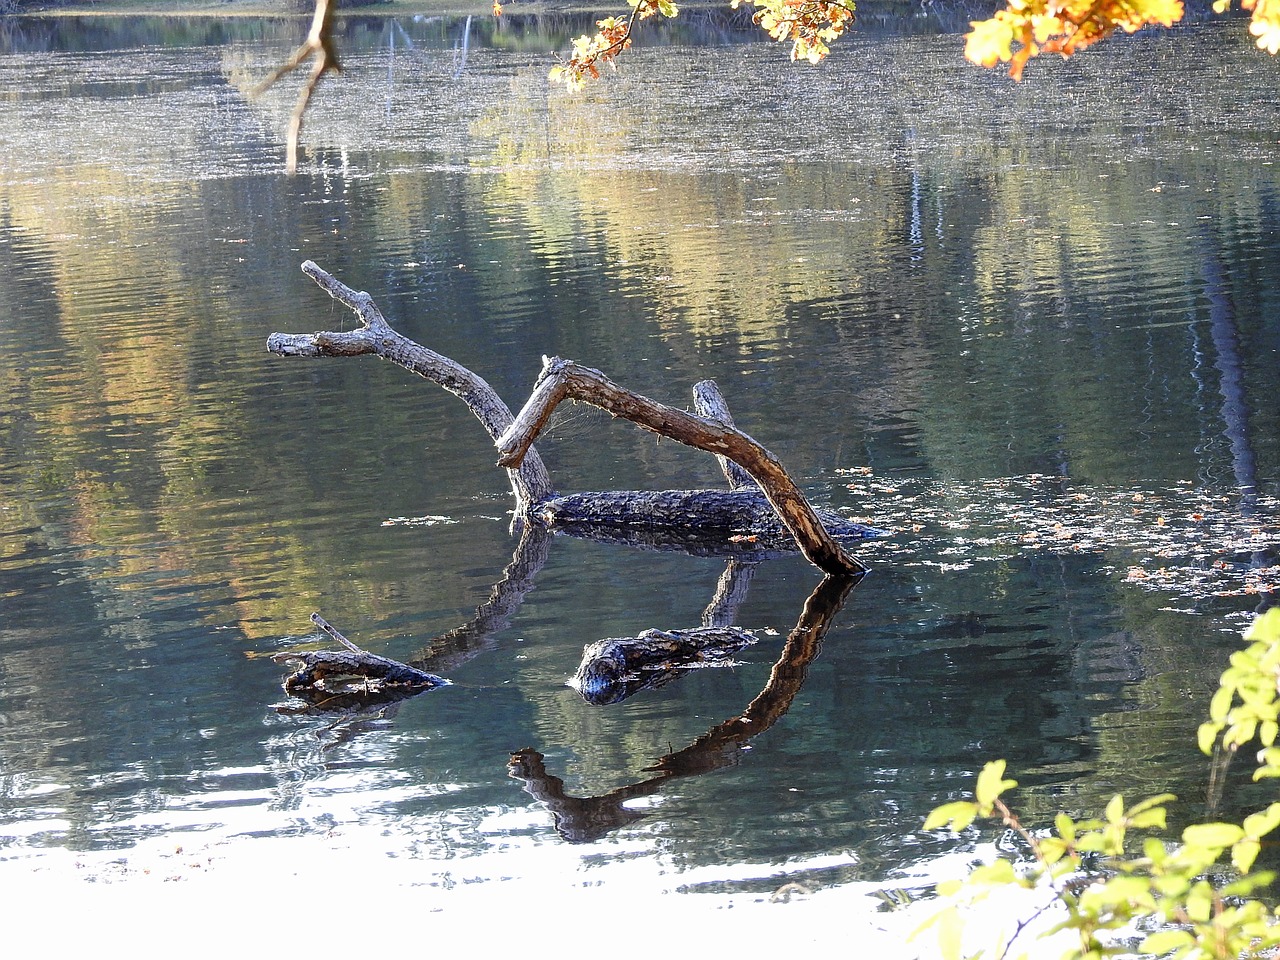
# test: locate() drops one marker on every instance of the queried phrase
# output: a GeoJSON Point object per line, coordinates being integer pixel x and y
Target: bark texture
{"type": "Point", "coordinates": [565, 380]}
{"type": "Point", "coordinates": [616, 668]}
{"type": "Point", "coordinates": [764, 503]}
{"type": "Point", "coordinates": [529, 482]}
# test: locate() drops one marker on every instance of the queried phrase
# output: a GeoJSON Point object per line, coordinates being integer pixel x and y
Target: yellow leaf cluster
{"type": "Point", "coordinates": [613, 35]}
{"type": "Point", "coordinates": [808, 24]}
{"type": "Point", "coordinates": [1265, 25]}
{"type": "Point", "coordinates": [1026, 28]}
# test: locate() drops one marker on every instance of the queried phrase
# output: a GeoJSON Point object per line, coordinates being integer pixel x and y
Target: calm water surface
{"type": "Point", "coordinates": [1031, 329]}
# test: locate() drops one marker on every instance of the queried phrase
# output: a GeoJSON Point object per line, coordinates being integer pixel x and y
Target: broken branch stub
{"type": "Point", "coordinates": [530, 481]}
{"type": "Point", "coordinates": [564, 379]}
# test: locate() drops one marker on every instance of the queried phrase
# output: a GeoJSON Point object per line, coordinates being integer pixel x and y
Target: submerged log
{"type": "Point", "coordinates": [614, 669]}
{"type": "Point", "coordinates": [727, 513]}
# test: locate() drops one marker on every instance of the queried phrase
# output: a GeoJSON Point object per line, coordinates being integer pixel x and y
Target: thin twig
{"type": "Point", "coordinates": [324, 625]}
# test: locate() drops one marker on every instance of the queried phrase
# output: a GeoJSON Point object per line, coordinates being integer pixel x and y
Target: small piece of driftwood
{"type": "Point", "coordinates": [350, 672]}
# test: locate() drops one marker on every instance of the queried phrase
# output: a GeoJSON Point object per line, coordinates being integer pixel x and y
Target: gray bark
{"type": "Point", "coordinates": [762, 510]}
{"type": "Point", "coordinates": [529, 482]}
{"type": "Point", "coordinates": [565, 380]}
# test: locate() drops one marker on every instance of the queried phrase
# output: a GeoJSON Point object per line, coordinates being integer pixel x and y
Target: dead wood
{"type": "Point", "coordinates": [565, 380]}
{"type": "Point", "coordinates": [338, 679]}
{"type": "Point", "coordinates": [744, 517]}
{"type": "Point", "coordinates": [616, 668]}
{"type": "Point", "coordinates": [709, 403]}
{"type": "Point", "coordinates": [744, 512]}
{"type": "Point", "coordinates": [529, 482]}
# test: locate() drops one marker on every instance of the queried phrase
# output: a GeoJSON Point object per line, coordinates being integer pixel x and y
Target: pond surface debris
{"type": "Point", "coordinates": [1191, 541]}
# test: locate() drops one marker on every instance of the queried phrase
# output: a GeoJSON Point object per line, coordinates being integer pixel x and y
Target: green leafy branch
{"type": "Point", "coordinates": [1105, 881]}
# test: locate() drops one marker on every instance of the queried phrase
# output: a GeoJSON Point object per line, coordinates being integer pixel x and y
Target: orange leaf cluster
{"type": "Point", "coordinates": [1062, 26]}
{"type": "Point", "coordinates": [1265, 25]}
{"type": "Point", "coordinates": [808, 24]}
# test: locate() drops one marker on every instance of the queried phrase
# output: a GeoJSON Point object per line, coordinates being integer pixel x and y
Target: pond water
{"type": "Point", "coordinates": [1031, 330]}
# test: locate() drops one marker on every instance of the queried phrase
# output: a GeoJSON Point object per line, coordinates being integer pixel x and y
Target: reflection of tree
{"type": "Point", "coordinates": [583, 819]}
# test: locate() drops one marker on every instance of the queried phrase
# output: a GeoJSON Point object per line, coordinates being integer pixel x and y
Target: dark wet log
{"type": "Point", "coordinates": [614, 669]}
{"type": "Point", "coordinates": [530, 482]}
{"type": "Point", "coordinates": [565, 380]}
{"type": "Point", "coordinates": [331, 671]}
{"type": "Point", "coordinates": [341, 677]}
{"type": "Point", "coordinates": [723, 513]}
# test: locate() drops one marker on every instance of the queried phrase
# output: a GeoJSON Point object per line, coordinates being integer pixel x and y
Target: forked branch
{"type": "Point", "coordinates": [529, 482]}
{"type": "Point", "coordinates": [727, 513]}
{"type": "Point", "coordinates": [566, 380]}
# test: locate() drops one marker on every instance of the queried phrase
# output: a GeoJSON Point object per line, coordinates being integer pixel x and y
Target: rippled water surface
{"type": "Point", "coordinates": [1032, 330]}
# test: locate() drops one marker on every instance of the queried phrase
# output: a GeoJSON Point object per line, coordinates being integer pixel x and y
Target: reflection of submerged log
{"type": "Point", "coordinates": [582, 819]}
{"type": "Point", "coordinates": [614, 669]}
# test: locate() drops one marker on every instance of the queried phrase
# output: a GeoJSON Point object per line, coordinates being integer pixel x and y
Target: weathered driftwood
{"type": "Point", "coordinates": [709, 404]}
{"type": "Point", "coordinates": [565, 380]}
{"type": "Point", "coordinates": [352, 674]}
{"type": "Point", "coordinates": [616, 668]}
{"type": "Point", "coordinates": [612, 670]}
{"type": "Point", "coordinates": [742, 511]}
{"type": "Point", "coordinates": [530, 482]}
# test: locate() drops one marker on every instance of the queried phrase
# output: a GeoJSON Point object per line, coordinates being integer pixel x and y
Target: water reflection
{"type": "Point", "coordinates": [586, 819]}
{"type": "Point", "coordinates": [957, 283]}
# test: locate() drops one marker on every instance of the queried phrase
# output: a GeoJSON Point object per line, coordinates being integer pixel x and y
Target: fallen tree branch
{"type": "Point", "coordinates": [529, 482]}
{"type": "Point", "coordinates": [565, 380]}
{"type": "Point", "coordinates": [746, 514]}
{"type": "Point", "coordinates": [321, 45]}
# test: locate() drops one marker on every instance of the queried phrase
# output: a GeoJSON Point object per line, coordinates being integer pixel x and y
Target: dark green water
{"type": "Point", "coordinates": [1034, 330]}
